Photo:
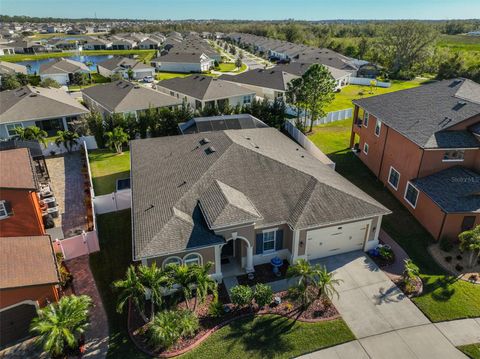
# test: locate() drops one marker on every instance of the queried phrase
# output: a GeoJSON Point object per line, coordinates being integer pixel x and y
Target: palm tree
{"type": "Point", "coordinates": [131, 289]}
{"type": "Point", "coordinates": [326, 283]}
{"type": "Point", "coordinates": [155, 281]}
{"type": "Point", "coordinates": [67, 138]}
{"type": "Point", "coordinates": [31, 133]}
{"type": "Point", "coordinates": [204, 283]}
{"type": "Point", "coordinates": [306, 275]}
{"type": "Point", "coordinates": [470, 241]}
{"type": "Point", "coordinates": [410, 274]}
{"type": "Point", "coordinates": [183, 276]}
{"type": "Point", "coordinates": [60, 325]}
{"type": "Point", "coordinates": [116, 139]}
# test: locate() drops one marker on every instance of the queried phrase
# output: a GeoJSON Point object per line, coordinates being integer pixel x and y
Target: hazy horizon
{"type": "Point", "coordinates": [309, 10]}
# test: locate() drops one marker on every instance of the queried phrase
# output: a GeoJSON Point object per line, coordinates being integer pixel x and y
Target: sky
{"type": "Point", "coordinates": [246, 9]}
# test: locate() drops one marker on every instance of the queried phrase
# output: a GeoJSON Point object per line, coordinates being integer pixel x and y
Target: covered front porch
{"type": "Point", "coordinates": [234, 257]}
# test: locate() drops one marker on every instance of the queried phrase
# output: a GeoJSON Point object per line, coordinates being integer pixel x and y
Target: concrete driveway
{"type": "Point", "coordinates": [369, 302]}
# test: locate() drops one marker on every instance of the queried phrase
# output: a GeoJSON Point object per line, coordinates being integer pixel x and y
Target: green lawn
{"type": "Point", "coordinates": [271, 337]}
{"type": "Point", "coordinates": [106, 168]}
{"type": "Point", "coordinates": [169, 75]}
{"type": "Point", "coordinates": [230, 67]}
{"type": "Point", "coordinates": [472, 350]}
{"type": "Point", "coordinates": [333, 136]}
{"type": "Point", "coordinates": [108, 265]}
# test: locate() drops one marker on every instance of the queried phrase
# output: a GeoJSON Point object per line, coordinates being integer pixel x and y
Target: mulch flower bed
{"type": "Point", "coordinates": [382, 262]}
{"type": "Point", "coordinates": [264, 274]}
{"type": "Point", "coordinates": [318, 310]}
{"type": "Point", "coordinates": [413, 292]}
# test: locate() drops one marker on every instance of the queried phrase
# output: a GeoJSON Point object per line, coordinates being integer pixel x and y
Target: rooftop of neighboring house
{"type": "Point", "coordinates": [62, 66]}
{"type": "Point", "coordinates": [268, 78]}
{"type": "Point", "coordinates": [204, 88]}
{"type": "Point", "coordinates": [16, 169]}
{"type": "Point", "coordinates": [185, 57]}
{"type": "Point", "coordinates": [123, 96]}
{"type": "Point", "coordinates": [299, 68]}
{"type": "Point", "coordinates": [10, 68]}
{"type": "Point", "coordinates": [35, 103]}
{"type": "Point", "coordinates": [118, 62]}
{"type": "Point", "coordinates": [219, 123]}
{"type": "Point", "coordinates": [454, 190]}
{"type": "Point", "coordinates": [27, 261]}
{"type": "Point", "coordinates": [184, 186]}
{"type": "Point", "coordinates": [425, 114]}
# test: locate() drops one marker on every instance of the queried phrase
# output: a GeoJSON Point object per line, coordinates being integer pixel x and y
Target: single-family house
{"type": "Point", "coordinates": [96, 43]}
{"type": "Point", "coordinates": [120, 43]}
{"type": "Point", "coordinates": [125, 97]}
{"type": "Point", "coordinates": [62, 70]}
{"type": "Point", "coordinates": [238, 198]}
{"type": "Point", "coordinates": [124, 65]}
{"type": "Point", "coordinates": [205, 91]}
{"type": "Point", "coordinates": [218, 123]}
{"type": "Point", "coordinates": [424, 145]}
{"type": "Point", "coordinates": [6, 49]}
{"type": "Point", "coordinates": [49, 109]}
{"type": "Point", "coordinates": [150, 43]}
{"type": "Point", "coordinates": [186, 62]}
{"type": "Point", "coordinates": [266, 83]}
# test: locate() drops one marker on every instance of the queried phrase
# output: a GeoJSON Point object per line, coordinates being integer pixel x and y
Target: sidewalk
{"type": "Point", "coordinates": [83, 283]}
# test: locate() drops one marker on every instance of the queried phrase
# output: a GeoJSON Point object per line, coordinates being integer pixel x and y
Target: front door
{"type": "Point", "coordinates": [227, 249]}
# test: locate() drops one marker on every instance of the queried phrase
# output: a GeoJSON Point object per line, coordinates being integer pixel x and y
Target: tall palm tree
{"type": "Point", "coordinates": [116, 139]}
{"type": "Point", "coordinates": [204, 283]}
{"type": "Point", "coordinates": [306, 276]}
{"type": "Point", "coordinates": [31, 133]}
{"type": "Point", "coordinates": [131, 289]}
{"type": "Point", "coordinates": [155, 282]}
{"type": "Point", "coordinates": [60, 325]}
{"type": "Point", "coordinates": [326, 283]}
{"type": "Point", "coordinates": [183, 276]}
{"type": "Point", "coordinates": [67, 138]}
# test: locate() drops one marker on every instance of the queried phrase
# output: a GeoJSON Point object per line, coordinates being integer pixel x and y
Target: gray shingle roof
{"type": "Point", "coordinates": [35, 103]}
{"type": "Point", "coordinates": [183, 57]}
{"type": "Point", "coordinates": [299, 68]}
{"type": "Point", "coordinates": [204, 87]}
{"type": "Point", "coordinates": [455, 190]}
{"type": "Point", "coordinates": [282, 181]}
{"type": "Point", "coordinates": [62, 66]}
{"type": "Point", "coordinates": [268, 78]}
{"type": "Point", "coordinates": [420, 113]}
{"type": "Point", "coordinates": [123, 96]}
{"type": "Point", "coordinates": [9, 68]}
{"type": "Point", "coordinates": [218, 123]}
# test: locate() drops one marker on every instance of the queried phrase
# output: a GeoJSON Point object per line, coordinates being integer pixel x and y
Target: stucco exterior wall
{"type": "Point", "coordinates": [40, 293]}
{"type": "Point", "coordinates": [375, 144]}
{"type": "Point", "coordinates": [453, 224]}
{"type": "Point", "coordinates": [432, 161]}
{"type": "Point", "coordinates": [208, 255]}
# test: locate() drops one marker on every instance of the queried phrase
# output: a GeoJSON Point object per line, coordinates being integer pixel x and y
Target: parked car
{"type": "Point", "coordinates": [148, 79]}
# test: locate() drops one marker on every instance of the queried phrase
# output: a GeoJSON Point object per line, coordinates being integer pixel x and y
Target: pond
{"type": "Point", "coordinates": [34, 65]}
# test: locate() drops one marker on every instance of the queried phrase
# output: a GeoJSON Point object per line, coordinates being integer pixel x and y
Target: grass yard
{"type": "Point", "coordinates": [106, 168]}
{"type": "Point", "coordinates": [108, 265]}
{"type": "Point", "coordinates": [230, 67]}
{"type": "Point", "coordinates": [271, 336]}
{"type": "Point", "coordinates": [472, 350]}
{"type": "Point", "coordinates": [444, 298]}
{"type": "Point", "coordinates": [169, 75]}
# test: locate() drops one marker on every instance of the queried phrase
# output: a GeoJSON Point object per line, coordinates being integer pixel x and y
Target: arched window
{"type": "Point", "coordinates": [172, 260]}
{"type": "Point", "coordinates": [192, 258]}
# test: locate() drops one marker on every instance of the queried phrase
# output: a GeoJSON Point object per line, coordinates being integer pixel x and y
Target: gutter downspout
{"type": "Point", "coordinates": [443, 225]}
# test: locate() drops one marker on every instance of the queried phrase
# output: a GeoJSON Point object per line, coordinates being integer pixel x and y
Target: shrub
{"type": "Point", "coordinates": [459, 267]}
{"type": "Point", "coordinates": [215, 309]}
{"type": "Point", "coordinates": [385, 253]}
{"type": "Point", "coordinates": [263, 294]}
{"type": "Point", "coordinates": [459, 257]}
{"type": "Point", "coordinates": [448, 259]}
{"type": "Point", "coordinates": [445, 244]}
{"type": "Point", "coordinates": [169, 326]}
{"type": "Point", "coordinates": [241, 295]}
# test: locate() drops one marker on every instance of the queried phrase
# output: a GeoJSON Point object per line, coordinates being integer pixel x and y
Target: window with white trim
{"type": "Point", "coordinates": [3, 210]}
{"type": "Point", "coordinates": [247, 99]}
{"type": "Point", "coordinates": [192, 258]}
{"type": "Point", "coordinates": [394, 178]}
{"type": "Point", "coordinates": [454, 156]}
{"type": "Point", "coordinates": [411, 194]}
{"type": "Point", "coordinates": [365, 148]}
{"type": "Point", "coordinates": [269, 241]}
{"type": "Point", "coordinates": [172, 261]}
{"type": "Point", "coordinates": [378, 127]}
{"type": "Point", "coordinates": [365, 118]}
{"type": "Point", "coordinates": [11, 128]}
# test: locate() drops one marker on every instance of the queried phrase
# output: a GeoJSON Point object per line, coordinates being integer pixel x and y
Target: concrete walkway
{"type": "Point", "coordinates": [385, 321]}
{"type": "Point", "coordinates": [84, 283]}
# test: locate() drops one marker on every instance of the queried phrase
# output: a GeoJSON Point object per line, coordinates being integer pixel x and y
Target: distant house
{"type": "Point", "coordinates": [47, 108]}
{"type": "Point", "coordinates": [424, 145]}
{"type": "Point", "coordinates": [26, 47]}
{"type": "Point", "coordinates": [94, 43]}
{"type": "Point", "coordinates": [266, 83]}
{"type": "Point", "coordinates": [6, 49]}
{"type": "Point", "coordinates": [122, 65]}
{"type": "Point", "coordinates": [150, 43]}
{"type": "Point", "coordinates": [125, 97]}
{"type": "Point", "coordinates": [204, 91]}
{"type": "Point", "coordinates": [219, 123]}
{"type": "Point", "coordinates": [238, 198]}
{"type": "Point", "coordinates": [62, 70]}
{"type": "Point", "coordinates": [119, 43]}
{"type": "Point", "coordinates": [183, 62]}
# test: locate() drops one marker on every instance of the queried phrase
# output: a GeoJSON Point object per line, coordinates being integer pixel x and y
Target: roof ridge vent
{"type": "Point", "coordinates": [204, 141]}
{"type": "Point", "coordinates": [210, 150]}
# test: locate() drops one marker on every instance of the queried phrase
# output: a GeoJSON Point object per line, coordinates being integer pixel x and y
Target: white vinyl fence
{"type": "Point", "coordinates": [308, 145]}
{"type": "Point", "coordinates": [331, 116]}
{"type": "Point", "coordinates": [52, 148]}
{"type": "Point", "coordinates": [368, 82]}
{"type": "Point", "coordinates": [115, 201]}
{"type": "Point", "coordinates": [77, 246]}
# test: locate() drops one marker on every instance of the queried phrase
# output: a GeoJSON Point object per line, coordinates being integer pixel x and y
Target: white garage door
{"type": "Point", "coordinates": [335, 240]}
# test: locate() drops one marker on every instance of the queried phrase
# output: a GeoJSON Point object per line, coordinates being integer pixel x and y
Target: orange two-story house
{"type": "Point", "coordinates": [424, 145]}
